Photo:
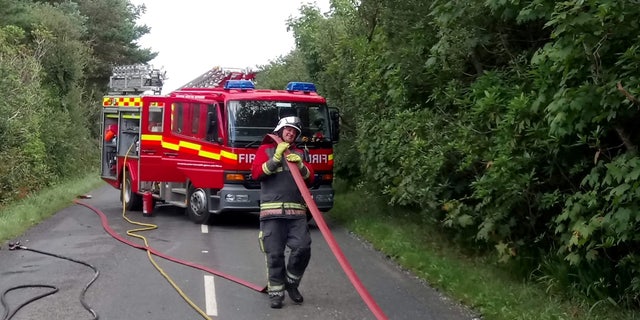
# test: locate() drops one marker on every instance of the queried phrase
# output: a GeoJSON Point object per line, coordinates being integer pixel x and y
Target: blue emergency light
{"type": "Point", "coordinates": [301, 86]}
{"type": "Point", "coordinates": [239, 84]}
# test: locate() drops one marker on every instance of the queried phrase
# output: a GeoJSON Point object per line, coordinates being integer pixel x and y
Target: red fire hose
{"type": "Point", "coordinates": [331, 241]}
{"type": "Point", "coordinates": [115, 235]}
{"type": "Point", "coordinates": [315, 212]}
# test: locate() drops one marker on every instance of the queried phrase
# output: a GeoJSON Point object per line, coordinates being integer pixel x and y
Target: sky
{"type": "Point", "coordinates": [193, 36]}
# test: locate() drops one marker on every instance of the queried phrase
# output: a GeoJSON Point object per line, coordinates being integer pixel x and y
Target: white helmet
{"type": "Point", "coordinates": [291, 121]}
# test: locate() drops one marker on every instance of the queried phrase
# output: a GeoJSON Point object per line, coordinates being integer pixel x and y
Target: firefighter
{"type": "Point", "coordinates": [283, 220]}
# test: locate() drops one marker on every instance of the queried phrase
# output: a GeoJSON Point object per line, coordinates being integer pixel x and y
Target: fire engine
{"type": "Point", "coordinates": [193, 148]}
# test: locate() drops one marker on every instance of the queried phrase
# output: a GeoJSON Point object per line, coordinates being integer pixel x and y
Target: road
{"type": "Point", "coordinates": [129, 287]}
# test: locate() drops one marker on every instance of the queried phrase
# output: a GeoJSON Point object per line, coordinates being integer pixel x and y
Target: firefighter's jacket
{"type": "Point", "coordinates": [279, 195]}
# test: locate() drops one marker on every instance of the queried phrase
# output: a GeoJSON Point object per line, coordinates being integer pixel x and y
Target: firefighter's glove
{"type": "Point", "coordinates": [282, 146]}
{"type": "Point", "coordinates": [292, 157]}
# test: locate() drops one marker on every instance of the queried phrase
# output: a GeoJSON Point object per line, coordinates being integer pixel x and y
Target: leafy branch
{"type": "Point", "coordinates": [626, 93]}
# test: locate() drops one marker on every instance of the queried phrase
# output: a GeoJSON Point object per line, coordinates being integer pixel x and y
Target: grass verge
{"type": "Point", "coordinates": [476, 282]}
{"type": "Point", "coordinates": [17, 217]}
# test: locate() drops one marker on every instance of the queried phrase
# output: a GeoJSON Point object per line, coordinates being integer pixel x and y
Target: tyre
{"type": "Point", "coordinates": [132, 201]}
{"type": "Point", "coordinates": [197, 205]}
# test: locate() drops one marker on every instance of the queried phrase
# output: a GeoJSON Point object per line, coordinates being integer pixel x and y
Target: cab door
{"type": "Point", "coordinates": [152, 128]}
{"type": "Point", "coordinates": [191, 145]}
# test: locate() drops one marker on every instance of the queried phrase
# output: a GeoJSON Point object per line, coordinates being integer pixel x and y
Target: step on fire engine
{"type": "Point", "coordinates": [193, 148]}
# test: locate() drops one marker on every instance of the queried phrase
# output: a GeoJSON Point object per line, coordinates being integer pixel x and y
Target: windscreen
{"type": "Point", "coordinates": [250, 120]}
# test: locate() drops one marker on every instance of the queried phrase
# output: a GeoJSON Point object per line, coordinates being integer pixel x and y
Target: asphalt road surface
{"type": "Point", "coordinates": [129, 287]}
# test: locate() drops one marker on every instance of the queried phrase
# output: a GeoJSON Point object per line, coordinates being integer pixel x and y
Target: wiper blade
{"type": "Point", "coordinates": [251, 143]}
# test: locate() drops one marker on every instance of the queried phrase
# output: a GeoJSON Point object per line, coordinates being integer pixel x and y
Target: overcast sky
{"type": "Point", "coordinates": [193, 36]}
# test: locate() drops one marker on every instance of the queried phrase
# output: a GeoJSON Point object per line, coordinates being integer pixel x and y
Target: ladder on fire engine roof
{"type": "Point", "coordinates": [136, 79]}
{"type": "Point", "coordinates": [217, 76]}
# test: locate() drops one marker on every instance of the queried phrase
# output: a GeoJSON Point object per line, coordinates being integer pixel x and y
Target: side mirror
{"type": "Point", "coordinates": [334, 113]}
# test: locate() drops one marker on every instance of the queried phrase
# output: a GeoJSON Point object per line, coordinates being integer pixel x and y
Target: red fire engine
{"type": "Point", "coordinates": [193, 148]}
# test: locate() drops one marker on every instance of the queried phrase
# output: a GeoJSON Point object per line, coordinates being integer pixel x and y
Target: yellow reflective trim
{"type": "Point", "coordinates": [292, 276]}
{"type": "Point", "coordinates": [190, 145]}
{"type": "Point", "coordinates": [275, 288]}
{"type": "Point", "coordinates": [122, 101]}
{"type": "Point", "coordinates": [266, 207]}
{"type": "Point", "coordinates": [261, 239]}
{"type": "Point", "coordinates": [210, 155]}
{"type": "Point", "coordinates": [171, 146]}
{"type": "Point", "coordinates": [307, 174]}
{"type": "Point", "coordinates": [265, 169]}
{"type": "Point", "coordinates": [128, 102]}
{"type": "Point", "coordinates": [151, 137]}
{"type": "Point", "coordinates": [229, 155]}
{"type": "Point", "coordinates": [285, 205]}
{"type": "Point", "coordinates": [131, 117]}
{"type": "Point", "coordinates": [278, 169]}
{"type": "Point", "coordinates": [331, 157]}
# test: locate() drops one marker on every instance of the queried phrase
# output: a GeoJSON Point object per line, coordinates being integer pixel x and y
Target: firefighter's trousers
{"type": "Point", "coordinates": [275, 235]}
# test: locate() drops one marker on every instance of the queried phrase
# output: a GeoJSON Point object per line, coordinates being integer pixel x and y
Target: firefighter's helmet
{"type": "Point", "coordinates": [291, 121]}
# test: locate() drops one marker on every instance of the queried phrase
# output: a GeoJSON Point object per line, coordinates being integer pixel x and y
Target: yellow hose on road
{"type": "Point", "coordinates": [148, 227]}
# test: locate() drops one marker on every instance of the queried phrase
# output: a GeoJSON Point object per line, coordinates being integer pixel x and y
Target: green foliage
{"type": "Point", "coordinates": [474, 280]}
{"type": "Point", "coordinates": [12, 12]}
{"type": "Point", "coordinates": [337, 69]}
{"type": "Point", "coordinates": [601, 221]}
{"type": "Point", "coordinates": [511, 123]}
{"type": "Point", "coordinates": [586, 96]}
{"type": "Point", "coordinates": [65, 57]}
{"type": "Point", "coordinates": [18, 216]}
{"type": "Point", "coordinates": [113, 34]}
{"type": "Point", "coordinates": [278, 73]}
{"type": "Point", "coordinates": [22, 154]}
{"type": "Point", "coordinates": [52, 54]}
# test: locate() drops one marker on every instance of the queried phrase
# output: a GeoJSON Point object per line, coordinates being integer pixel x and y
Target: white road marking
{"type": "Point", "coordinates": [205, 251]}
{"type": "Point", "coordinates": [210, 296]}
{"type": "Point", "coordinates": [204, 228]}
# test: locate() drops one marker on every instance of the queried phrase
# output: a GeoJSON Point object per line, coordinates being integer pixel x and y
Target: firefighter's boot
{"type": "Point", "coordinates": [276, 298]}
{"type": "Point", "coordinates": [295, 295]}
{"type": "Point", "coordinates": [292, 289]}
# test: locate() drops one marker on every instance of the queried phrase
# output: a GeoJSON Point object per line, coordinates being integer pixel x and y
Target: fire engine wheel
{"type": "Point", "coordinates": [132, 201]}
{"type": "Point", "coordinates": [197, 207]}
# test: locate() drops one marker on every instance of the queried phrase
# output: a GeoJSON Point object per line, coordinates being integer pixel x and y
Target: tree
{"type": "Point", "coordinates": [279, 72]}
